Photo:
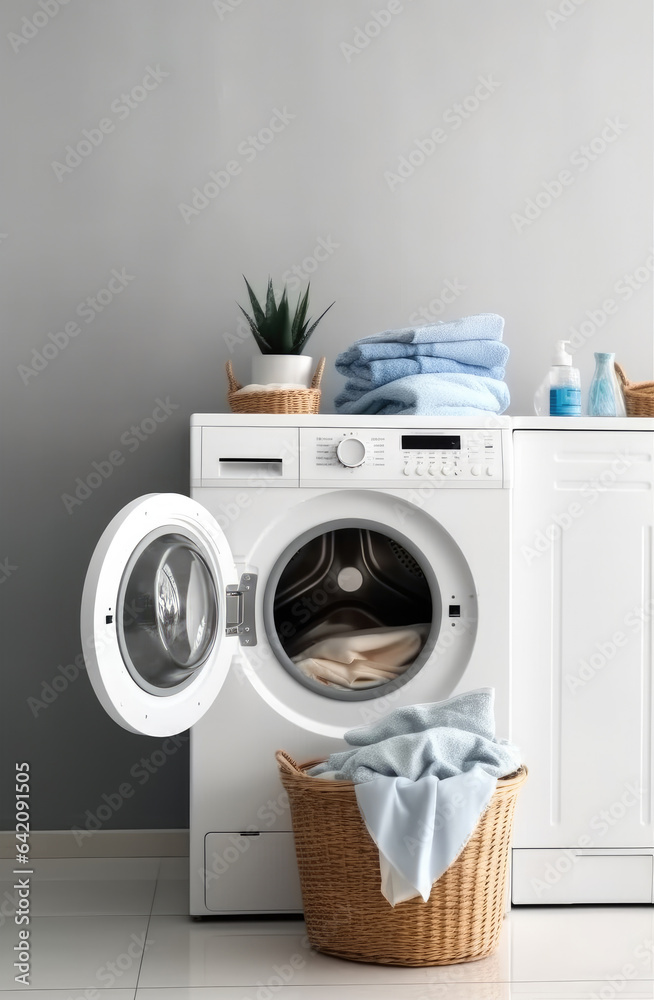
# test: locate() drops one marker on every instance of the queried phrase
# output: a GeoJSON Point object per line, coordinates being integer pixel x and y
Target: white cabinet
{"type": "Point", "coordinates": [582, 657]}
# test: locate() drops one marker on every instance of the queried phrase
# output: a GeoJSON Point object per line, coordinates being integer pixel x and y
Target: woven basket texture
{"type": "Point", "coordinates": [638, 396]}
{"type": "Point", "coordinates": [275, 400]}
{"type": "Point", "coordinates": [346, 914]}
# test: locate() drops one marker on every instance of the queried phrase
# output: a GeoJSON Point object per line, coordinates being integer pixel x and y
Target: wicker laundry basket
{"type": "Point", "coordinates": [638, 396]}
{"type": "Point", "coordinates": [275, 400]}
{"type": "Point", "coordinates": [344, 909]}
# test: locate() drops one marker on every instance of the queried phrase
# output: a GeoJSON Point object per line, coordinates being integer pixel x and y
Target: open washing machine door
{"type": "Point", "coordinates": [161, 614]}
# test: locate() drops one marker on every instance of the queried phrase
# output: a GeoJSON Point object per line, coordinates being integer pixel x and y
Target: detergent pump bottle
{"type": "Point", "coordinates": [560, 392]}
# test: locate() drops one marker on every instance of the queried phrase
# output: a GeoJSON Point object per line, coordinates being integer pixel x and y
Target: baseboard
{"type": "Point", "coordinates": [100, 844]}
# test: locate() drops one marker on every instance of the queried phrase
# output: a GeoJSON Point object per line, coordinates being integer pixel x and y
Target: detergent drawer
{"type": "Point", "coordinates": [542, 877]}
{"type": "Point", "coordinates": [251, 873]}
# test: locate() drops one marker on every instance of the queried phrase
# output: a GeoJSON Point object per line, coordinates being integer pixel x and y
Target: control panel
{"type": "Point", "coordinates": [351, 456]}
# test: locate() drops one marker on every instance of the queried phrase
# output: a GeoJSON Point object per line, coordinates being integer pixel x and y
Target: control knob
{"type": "Point", "coordinates": [351, 452]}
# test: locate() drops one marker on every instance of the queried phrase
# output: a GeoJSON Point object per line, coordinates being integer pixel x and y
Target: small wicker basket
{"type": "Point", "coordinates": [275, 400]}
{"type": "Point", "coordinates": [344, 909]}
{"type": "Point", "coordinates": [638, 396]}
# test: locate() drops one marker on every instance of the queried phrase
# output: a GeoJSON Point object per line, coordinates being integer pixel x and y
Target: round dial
{"type": "Point", "coordinates": [351, 452]}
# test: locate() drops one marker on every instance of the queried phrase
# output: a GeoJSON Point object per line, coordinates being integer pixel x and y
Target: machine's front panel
{"type": "Point", "coordinates": [343, 457]}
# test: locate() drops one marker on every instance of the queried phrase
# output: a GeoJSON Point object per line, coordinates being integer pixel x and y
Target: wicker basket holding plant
{"type": "Point", "coordinates": [281, 373]}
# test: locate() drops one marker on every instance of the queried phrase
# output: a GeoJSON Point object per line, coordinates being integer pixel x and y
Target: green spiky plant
{"type": "Point", "coordinates": [276, 331]}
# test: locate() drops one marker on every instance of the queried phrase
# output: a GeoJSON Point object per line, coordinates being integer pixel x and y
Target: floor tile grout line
{"type": "Point", "coordinates": [145, 945]}
{"type": "Point", "coordinates": [147, 929]}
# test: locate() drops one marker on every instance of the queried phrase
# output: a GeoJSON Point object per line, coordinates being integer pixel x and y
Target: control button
{"type": "Point", "coordinates": [447, 470]}
{"type": "Point", "coordinates": [421, 470]}
{"type": "Point", "coordinates": [434, 470]}
{"type": "Point", "coordinates": [407, 470]}
{"type": "Point", "coordinates": [351, 452]}
{"type": "Point", "coordinates": [490, 471]}
{"type": "Point", "coordinates": [475, 470]}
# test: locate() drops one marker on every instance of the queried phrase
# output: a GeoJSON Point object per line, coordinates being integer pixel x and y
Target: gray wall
{"type": "Point", "coordinates": [353, 100]}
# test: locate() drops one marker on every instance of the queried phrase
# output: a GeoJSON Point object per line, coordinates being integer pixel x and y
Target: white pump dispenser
{"type": "Point", "coordinates": [559, 395]}
{"type": "Point", "coordinates": [561, 356]}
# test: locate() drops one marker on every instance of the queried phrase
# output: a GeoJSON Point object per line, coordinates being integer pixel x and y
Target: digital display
{"type": "Point", "coordinates": [431, 442]}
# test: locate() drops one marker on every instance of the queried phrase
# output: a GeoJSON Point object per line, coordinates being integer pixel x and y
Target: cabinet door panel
{"type": "Point", "coordinates": [582, 610]}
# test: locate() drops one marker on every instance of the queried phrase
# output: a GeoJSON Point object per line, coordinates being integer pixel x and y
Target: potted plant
{"type": "Point", "coordinates": [281, 334]}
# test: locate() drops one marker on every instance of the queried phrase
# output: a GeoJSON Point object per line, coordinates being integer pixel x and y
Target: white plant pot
{"type": "Point", "coordinates": [267, 368]}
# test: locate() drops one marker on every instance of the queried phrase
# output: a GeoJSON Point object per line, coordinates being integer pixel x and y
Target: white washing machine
{"type": "Point", "coordinates": [297, 528]}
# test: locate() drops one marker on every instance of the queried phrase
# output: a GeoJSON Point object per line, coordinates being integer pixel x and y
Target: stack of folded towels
{"type": "Point", "coordinates": [446, 369]}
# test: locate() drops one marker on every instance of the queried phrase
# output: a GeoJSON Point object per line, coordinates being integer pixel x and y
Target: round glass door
{"type": "Point", "coordinates": [168, 613]}
{"type": "Point", "coordinates": [153, 614]}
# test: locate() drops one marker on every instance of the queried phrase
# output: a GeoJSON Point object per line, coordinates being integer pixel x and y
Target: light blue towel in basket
{"type": "Point", "coordinates": [424, 775]}
{"type": "Point", "coordinates": [429, 395]}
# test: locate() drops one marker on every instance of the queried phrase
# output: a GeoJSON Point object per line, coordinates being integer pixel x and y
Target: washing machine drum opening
{"type": "Point", "coordinates": [353, 611]}
{"type": "Point", "coordinates": [168, 621]}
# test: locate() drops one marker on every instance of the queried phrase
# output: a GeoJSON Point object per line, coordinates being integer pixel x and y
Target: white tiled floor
{"type": "Point", "coordinates": [119, 930]}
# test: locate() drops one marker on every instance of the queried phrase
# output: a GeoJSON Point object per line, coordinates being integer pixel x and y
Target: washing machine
{"type": "Point", "coordinates": [302, 534]}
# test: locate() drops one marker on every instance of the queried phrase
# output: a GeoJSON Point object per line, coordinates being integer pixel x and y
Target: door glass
{"type": "Point", "coordinates": [169, 613]}
{"type": "Point", "coordinates": [353, 611]}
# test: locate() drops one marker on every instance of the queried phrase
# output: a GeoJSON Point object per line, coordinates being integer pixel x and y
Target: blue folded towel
{"type": "Point", "coordinates": [489, 352]}
{"type": "Point", "coordinates": [431, 395]}
{"type": "Point", "coordinates": [468, 346]}
{"type": "Point", "coordinates": [368, 374]}
{"type": "Point", "coordinates": [423, 776]}
{"type": "Point", "coordinates": [483, 326]}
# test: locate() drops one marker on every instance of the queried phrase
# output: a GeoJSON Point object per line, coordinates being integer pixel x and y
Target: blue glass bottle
{"type": "Point", "coordinates": [604, 395]}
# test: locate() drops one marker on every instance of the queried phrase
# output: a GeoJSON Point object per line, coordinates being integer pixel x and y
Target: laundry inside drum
{"type": "Point", "coordinates": [353, 610]}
